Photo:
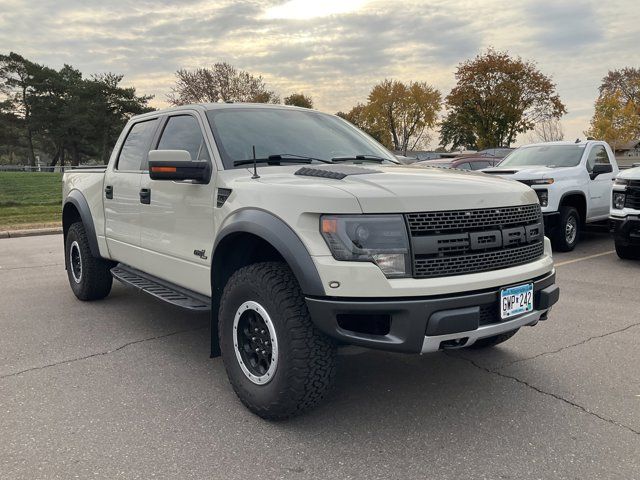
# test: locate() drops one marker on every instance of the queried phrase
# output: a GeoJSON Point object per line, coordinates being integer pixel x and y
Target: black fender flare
{"type": "Point", "coordinates": [76, 198]}
{"type": "Point", "coordinates": [282, 237]}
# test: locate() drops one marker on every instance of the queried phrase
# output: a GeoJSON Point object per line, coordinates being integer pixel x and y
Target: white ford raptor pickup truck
{"type": "Point", "coordinates": [300, 233]}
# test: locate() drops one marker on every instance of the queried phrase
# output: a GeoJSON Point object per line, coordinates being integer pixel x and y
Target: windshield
{"type": "Point", "coordinates": [545, 155]}
{"type": "Point", "coordinates": [280, 131]}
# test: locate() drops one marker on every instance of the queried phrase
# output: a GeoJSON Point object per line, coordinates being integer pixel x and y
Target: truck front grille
{"type": "Point", "coordinates": [460, 242]}
{"type": "Point", "coordinates": [633, 195]}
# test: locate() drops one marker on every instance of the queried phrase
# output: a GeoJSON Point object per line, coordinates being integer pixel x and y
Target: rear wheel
{"type": "Point", "coordinates": [89, 277]}
{"type": "Point", "coordinates": [627, 252]}
{"type": "Point", "coordinates": [567, 234]}
{"type": "Point", "coordinates": [278, 363]}
{"type": "Point", "coordinates": [493, 341]}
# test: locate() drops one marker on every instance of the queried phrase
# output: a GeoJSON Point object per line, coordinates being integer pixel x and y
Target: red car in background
{"type": "Point", "coordinates": [475, 161]}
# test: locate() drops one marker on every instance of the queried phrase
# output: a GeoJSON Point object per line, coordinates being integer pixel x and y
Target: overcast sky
{"type": "Point", "coordinates": [332, 50]}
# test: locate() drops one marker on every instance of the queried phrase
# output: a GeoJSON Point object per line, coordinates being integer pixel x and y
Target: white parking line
{"type": "Point", "coordinates": [585, 258]}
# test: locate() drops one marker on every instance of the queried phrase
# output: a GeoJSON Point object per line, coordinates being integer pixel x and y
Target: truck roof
{"type": "Point", "coordinates": [564, 142]}
{"type": "Point", "coordinates": [221, 106]}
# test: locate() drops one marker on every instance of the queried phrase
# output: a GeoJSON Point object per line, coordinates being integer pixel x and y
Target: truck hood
{"type": "Point", "coordinates": [630, 174]}
{"type": "Point", "coordinates": [386, 189]}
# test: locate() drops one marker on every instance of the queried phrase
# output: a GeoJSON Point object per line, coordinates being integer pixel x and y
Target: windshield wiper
{"type": "Point", "coordinates": [280, 158]}
{"type": "Point", "coordinates": [366, 158]}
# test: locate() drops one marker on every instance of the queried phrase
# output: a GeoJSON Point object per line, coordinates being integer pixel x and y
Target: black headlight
{"type": "Point", "coordinates": [381, 239]}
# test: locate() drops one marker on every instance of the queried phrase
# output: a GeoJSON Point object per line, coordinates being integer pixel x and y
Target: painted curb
{"type": "Point", "coordinates": [31, 232]}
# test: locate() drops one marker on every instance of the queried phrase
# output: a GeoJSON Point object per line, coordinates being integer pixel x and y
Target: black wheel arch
{"type": "Point", "coordinates": [253, 235]}
{"type": "Point", "coordinates": [76, 208]}
{"type": "Point", "coordinates": [576, 199]}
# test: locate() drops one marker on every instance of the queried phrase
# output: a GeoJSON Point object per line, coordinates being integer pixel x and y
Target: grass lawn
{"type": "Point", "coordinates": [30, 199]}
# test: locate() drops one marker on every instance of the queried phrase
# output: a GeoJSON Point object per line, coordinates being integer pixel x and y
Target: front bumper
{"type": "Point", "coordinates": [425, 324]}
{"type": "Point", "coordinates": [626, 230]}
{"type": "Point", "coordinates": [551, 222]}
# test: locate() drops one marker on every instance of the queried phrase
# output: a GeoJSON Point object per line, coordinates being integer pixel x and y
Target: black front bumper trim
{"type": "Point", "coordinates": [413, 318]}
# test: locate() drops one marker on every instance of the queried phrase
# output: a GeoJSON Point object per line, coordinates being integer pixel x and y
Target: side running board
{"type": "Point", "coordinates": [168, 292]}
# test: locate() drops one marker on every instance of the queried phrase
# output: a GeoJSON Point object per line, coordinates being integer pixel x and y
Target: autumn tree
{"type": "Point", "coordinates": [374, 126]}
{"type": "Point", "coordinates": [616, 117]}
{"type": "Point", "coordinates": [614, 120]}
{"type": "Point", "coordinates": [406, 111]}
{"type": "Point", "coordinates": [497, 97]}
{"type": "Point", "coordinates": [299, 100]}
{"type": "Point", "coordinates": [221, 82]}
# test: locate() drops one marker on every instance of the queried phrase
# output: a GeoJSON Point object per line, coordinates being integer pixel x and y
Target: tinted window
{"type": "Point", "coordinates": [183, 133]}
{"type": "Point", "coordinates": [278, 131]}
{"type": "Point", "coordinates": [463, 166]}
{"type": "Point", "coordinates": [545, 155]}
{"type": "Point", "coordinates": [480, 165]}
{"type": "Point", "coordinates": [597, 155]}
{"type": "Point", "coordinates": [136, 145]}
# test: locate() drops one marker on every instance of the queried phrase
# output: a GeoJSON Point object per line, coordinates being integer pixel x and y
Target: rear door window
{"type": "Point", "coordinates": [136, 146]}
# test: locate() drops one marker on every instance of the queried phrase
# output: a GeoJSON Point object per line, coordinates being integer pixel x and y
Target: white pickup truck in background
{"type": "Point", "coordinates": [573, 182]}
{"type": "Point", "coordinates": [625, 214]}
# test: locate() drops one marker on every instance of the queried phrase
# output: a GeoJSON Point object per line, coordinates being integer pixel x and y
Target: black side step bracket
{"type": "Point", "coordinates": [168, 292]}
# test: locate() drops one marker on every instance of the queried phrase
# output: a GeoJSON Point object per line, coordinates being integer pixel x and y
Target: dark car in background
{"type": "Point", "coordinates": [462, 163]}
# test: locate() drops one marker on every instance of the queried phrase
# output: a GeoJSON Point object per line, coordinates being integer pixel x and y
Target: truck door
{"type": "Point", "coordinates": [600, 185]}
{"type": "Point", "coordinates": [122, 194]}
{"type": "Point", "coordinates": [177, 223]}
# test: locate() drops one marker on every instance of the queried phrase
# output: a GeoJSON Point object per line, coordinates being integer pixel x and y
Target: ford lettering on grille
{"type": "Point", "coordinates": [468, 241]}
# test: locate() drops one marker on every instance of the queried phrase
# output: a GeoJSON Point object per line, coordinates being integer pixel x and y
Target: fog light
{"type": "Point", "coordinates": [543, 197]}
{"type": "Point", "coordinates": [618, 200]}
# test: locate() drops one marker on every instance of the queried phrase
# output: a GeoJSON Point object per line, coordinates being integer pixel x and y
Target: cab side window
{"type": "Point", "coordinates": [136, 146]}
{"type": "Point", "coordinates": [598, 154]}
{"type": "Point", "coordinates": [182, 132]}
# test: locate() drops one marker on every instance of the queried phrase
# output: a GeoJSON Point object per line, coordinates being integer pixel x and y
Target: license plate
{"type": "Point", "coordinates": [516, 300]}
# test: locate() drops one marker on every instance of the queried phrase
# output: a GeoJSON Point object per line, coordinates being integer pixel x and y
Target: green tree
{"type": "Point", "coordinates": [16, 84]}
{"type": "Point", "coordinates": [497, 97]}
{"type": "Point", "coordinates": [221, 82]}
{"type": "Point", "coordinates": [299, 100]}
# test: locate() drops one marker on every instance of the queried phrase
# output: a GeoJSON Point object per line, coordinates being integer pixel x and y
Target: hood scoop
{"type": "Point", "coordinates": [336, 172]}
{"type": "Point", "coordinates": [500, 172]}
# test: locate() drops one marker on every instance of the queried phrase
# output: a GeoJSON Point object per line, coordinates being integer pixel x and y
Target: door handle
{"type": "Point", "coordinates": [145, 196]}
{"type": "Point", "coordinates": [108, 191]}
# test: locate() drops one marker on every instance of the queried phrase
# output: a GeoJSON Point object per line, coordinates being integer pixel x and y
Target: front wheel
{"type": "Point", "coordinates": [89, 277]}
{"type": "Point", "coordinates": [567, 234]}
{"type": "Point", "coordinates": [278, 363]}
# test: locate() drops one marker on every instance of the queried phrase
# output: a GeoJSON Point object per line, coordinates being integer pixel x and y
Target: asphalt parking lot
{"type": "Point", "coordinates": [124, 388]}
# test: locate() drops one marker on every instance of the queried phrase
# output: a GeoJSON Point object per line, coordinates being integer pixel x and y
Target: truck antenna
{"type": "Point", "coordinates": [255, 167]}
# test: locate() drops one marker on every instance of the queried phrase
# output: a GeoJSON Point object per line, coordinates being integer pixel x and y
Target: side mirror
{"type": "Point", "coordinates": [177, 165]}
{"type": "Point", "coordinates": [600, 168]}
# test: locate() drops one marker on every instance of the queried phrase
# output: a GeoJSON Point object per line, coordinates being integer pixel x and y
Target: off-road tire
{"type": "Point", "coordinates": [560, 241]}
{"type": "Point", "coordinates": [95, 278]}
{"type": "Point", "coordinates": [493, 341]}
{"type": "Point", "coordinates": [306, 357]}
{"type": "Point", "coordinates": [628, 252]}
